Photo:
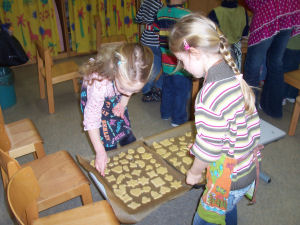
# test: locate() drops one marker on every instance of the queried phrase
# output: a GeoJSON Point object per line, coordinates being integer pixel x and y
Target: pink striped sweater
{"type": "Point", "coordinates": [223, 126]}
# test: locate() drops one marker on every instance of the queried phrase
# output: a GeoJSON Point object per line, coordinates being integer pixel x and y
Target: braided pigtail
{"type": "Point", "coordinates": [199, 32]}
{"type": "Point", "coordinates": [246, 89]}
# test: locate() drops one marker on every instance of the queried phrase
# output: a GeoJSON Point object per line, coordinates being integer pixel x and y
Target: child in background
{"type": "Point", "coordinates": [227, 123]}
{"type": "Point", "coordinates": [232, 20]}
{"type": "Point", "coordinates": [146, 15]}
{"type": "Point", "coordinates": [272, 24]}
{"type": "Point", "coordinates": [176, 86]}
{"type": "Point", "coordinates": [108, 82]}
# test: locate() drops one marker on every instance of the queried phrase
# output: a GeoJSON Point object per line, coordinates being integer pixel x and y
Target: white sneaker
{"type": "Point", "coordinates": [174, 125]}
{"type": "Point", "coordinates": [290, 100]}
{"type": "Point", "coordinates": [284, 101]}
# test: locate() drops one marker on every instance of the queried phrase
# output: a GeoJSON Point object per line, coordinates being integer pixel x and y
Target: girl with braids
{"type": "Point", "coordinates": [108, 82]}
{"type": "Point", "coordinates": [227, 123]}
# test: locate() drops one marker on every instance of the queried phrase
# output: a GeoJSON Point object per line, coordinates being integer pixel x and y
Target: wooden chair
{"type": "Point", "coordinates": [293, 78]}
{"type": "Point", "coordinates": [59, 177]}
{"type": "Point", "coordinates": [295, 117]}
{"type": "Point", "coordinates": [101, 40]}
{"type": "Point", "coordinates": [23, 191]}
{"type": "Point", "coordinates": [20, 138]}
{"type": "Point", "coordinates": [54, 73]}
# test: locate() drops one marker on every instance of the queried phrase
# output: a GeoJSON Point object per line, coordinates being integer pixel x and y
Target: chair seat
{"type": "Point", "coordinates": [59, 178]}
{"type": "Point", "coordinates": [23, 135]}
{"type": "Point", "coordinates": [96, 213]}
{"type": "Point", "coordinates": [64, 71]}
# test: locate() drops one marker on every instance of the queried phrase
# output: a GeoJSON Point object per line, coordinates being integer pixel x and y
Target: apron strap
{"type": "Point", "coordinates": [255, 152]}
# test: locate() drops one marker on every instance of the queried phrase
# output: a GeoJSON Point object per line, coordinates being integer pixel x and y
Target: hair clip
{"type": "Point", "coordinates": [186, 45]}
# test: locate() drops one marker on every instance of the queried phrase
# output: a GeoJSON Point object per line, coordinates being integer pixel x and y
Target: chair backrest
{"type": "Point", "coordinates": [101, 40]}
{"type": "Point", "coordinates": [22, 191]}
{"type": "Point", "coordinates": [9, 166]}
{"type": "Point", "coordinates": [44, 59]}
{"type": "Point", "coordinates": [5, 144]}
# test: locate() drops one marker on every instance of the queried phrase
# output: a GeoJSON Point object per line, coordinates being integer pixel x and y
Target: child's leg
{"type": "Point", "coordinates": [231, 216]}
{"type": "Point", "coordinates": [166, 106]}
{"type": "Point", "coordinates": [155, 70]}
{"type": "Point", "coordinates": [199, 221]}
{"type": "Point", "coordinates": [128, 139]}
{"type": "Point", "coordinates": [233, 199]}
{"type": "Point", "coordinates": [182, 88]}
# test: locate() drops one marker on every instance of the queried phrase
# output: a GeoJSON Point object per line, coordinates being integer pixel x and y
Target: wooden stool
{"type": "Point", "coordinates": [293, 78]}
{"type": "Point", "coordinates": [295, 117]}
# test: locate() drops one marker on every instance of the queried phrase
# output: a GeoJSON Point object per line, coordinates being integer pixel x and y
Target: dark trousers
{"type": "Point", "coordinates": [175, 95]}
{"type": "Point", "coordinates": [272, 50]}
{"type": "Point", "coordinates": [124, 141]}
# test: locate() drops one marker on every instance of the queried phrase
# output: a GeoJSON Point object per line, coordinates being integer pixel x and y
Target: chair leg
{"type": "Point", "coordinates": [75, 84]}
{"type": "Point", "coordinates": [294, 119]}
{"type": "Point", "coordinates": [86, 196]}
{"type": "Point", "coordinates": [39, 151]}
{"type": "Point", "coordinates": [50, 97]}
{"type": "Point", "coordinates": [42, 87]}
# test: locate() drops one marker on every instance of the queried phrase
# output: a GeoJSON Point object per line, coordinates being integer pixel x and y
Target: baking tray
{"type": "Point", "coordinates": [164, 143]}
{"type": "Point", "coordinates": [122, 210]}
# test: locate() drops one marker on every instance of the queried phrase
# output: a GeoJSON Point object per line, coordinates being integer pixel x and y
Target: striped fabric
{"type": "Point", "coordinates": [223, 126]}
{"type": "Point", "coordinates": [146, 15]}
{"type": "Point", "coordinates": [166, 18]}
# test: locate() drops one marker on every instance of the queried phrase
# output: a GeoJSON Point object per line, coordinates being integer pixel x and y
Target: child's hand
{"type": "Point", "coordinates": [193, 178]}
{"type": "Point", "coordinates": [100, 162]}
{"type": "Point", "coordinates": [119, 110]}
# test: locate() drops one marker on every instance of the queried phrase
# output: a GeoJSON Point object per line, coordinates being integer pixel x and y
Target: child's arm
{"type": "Point", "coordinates": [101, 156]}
{"type": "Point", "coordinates": [194, 174]}
{"type": "Point", "coordinates": [119, 109]}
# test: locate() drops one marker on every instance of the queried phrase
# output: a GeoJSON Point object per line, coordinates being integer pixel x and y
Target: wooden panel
{"type": "Point", "coordinates": [203, 6]}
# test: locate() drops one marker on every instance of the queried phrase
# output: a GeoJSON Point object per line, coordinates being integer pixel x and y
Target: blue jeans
{"type": "Point", "coordinates": [273, 49]}
{"type": "Point", "coordinates": [155, 71]}
{"type": "Point", "coordinates": [231, 213]}
{"type": "Point", "coordinates": [291, 61]}
{"type": "Point", "coordinates": [175, 94]}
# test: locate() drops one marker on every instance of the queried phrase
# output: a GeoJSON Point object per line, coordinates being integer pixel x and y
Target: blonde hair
{"type": "Point", "coordinates": [200, 32]}
{"type": "Point", "coordinates": [130, 60]}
